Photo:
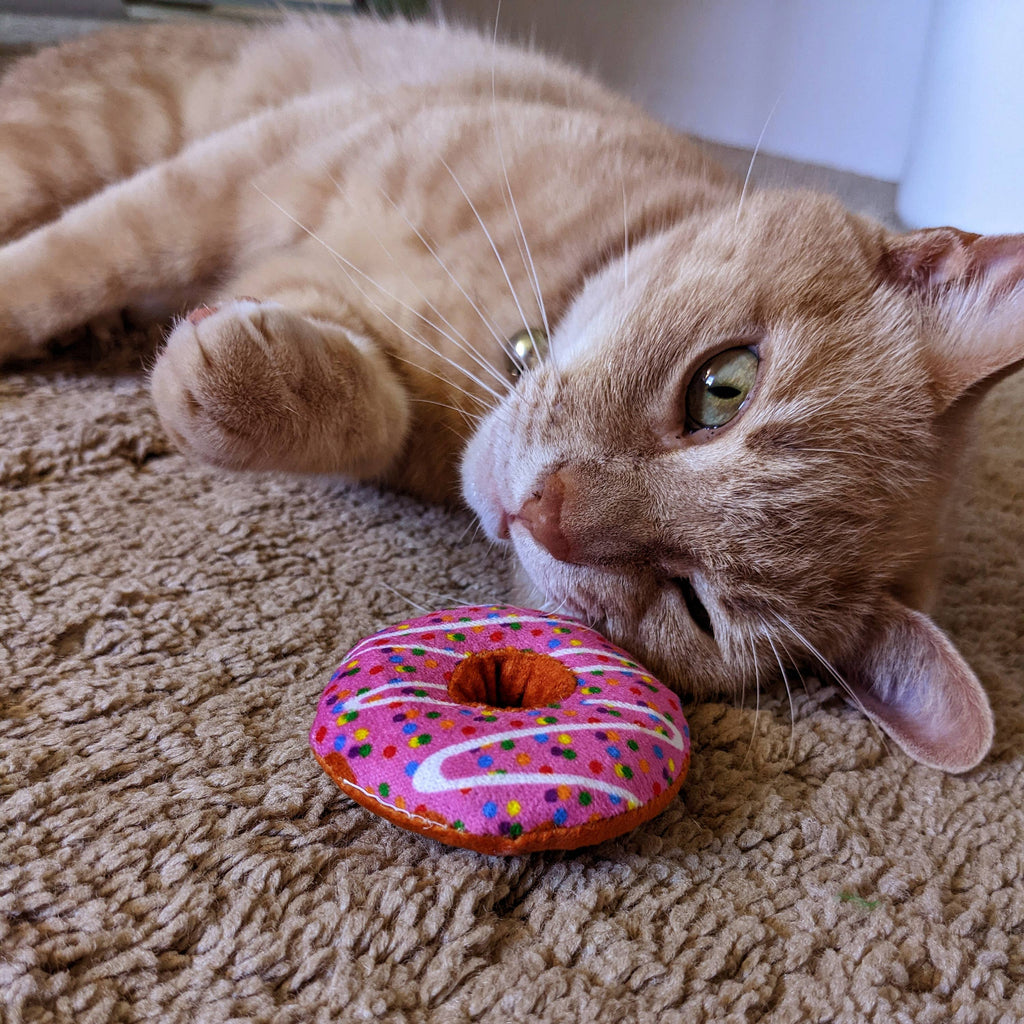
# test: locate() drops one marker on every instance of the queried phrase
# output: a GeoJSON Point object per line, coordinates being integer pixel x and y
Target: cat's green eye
{"type": "Point", "coordinates": [527, 349]}
{"type": "Point", "coordinates": [719, 388]}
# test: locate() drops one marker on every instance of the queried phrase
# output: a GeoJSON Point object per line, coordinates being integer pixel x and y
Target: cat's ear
{"type": "Point", "coordinates": [911, 680]}
{"type": "Point", "coordinates": [973, 288]}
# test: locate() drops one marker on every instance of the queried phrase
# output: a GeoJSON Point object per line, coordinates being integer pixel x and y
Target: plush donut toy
{"type": "Point", "coordinates": [500, 729]}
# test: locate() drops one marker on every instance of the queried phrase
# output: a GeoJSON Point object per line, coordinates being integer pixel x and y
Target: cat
{"type": "Point", "coordinates": [719, 425]}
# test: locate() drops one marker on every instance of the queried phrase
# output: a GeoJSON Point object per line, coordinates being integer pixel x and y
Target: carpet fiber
{"type": "Point", "coordinates": [170, 851]}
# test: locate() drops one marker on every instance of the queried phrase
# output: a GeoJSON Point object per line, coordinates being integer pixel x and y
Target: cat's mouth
{"type": "Point", "coordinates": [504, 522]}
{"type": "Point", "coordinates": [590, 592]}
{"type": "Point", "coordinates": [694, 605]}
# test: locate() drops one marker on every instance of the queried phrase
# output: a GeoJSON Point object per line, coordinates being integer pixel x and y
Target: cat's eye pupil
{"type": "Point", "coordinates": [717, 390]}
{"type": "Point", "coordinates": [527, 348]}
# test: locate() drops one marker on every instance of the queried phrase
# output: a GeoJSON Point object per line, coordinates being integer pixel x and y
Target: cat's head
{"type": "Point", "coordinates": [736, 453]}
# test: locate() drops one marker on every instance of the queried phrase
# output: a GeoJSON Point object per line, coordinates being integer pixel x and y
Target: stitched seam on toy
{"type": "Point", "coordinates": [544, 827]}
{"type": "Point", "coordinates": [412, 815]}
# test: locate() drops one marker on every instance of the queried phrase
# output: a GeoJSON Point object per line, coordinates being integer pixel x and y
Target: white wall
{"type": "Point", "coordinates": [844, 73]}
{"type": "Point", "coordinates": [966, 160]}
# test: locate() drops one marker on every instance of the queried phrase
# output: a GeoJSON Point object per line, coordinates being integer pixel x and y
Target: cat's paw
{"type": "Point", "coordinates": [254, 385]}
{"type": "Point", "coordinates": [233, 387]}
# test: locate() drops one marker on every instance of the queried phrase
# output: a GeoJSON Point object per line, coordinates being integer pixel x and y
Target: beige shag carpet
{"type": "Point", "coordinates": [170, 851]}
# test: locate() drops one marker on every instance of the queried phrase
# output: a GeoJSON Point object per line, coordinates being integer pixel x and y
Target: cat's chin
{"type": "Point", "coordinates": [479, 487]}
{"type": "Point", "coordinates": [524, 591]}
{"type": "Point", "coordinates": [581, 592]}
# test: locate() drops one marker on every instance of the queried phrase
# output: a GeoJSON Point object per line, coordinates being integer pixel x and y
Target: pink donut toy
{"type": "Point", "coordinates": [501, 729]}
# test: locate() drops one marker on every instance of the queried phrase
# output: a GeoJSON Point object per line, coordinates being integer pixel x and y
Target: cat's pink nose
{"type": "Point", "coordinates": [200, 313]}
{"type": "Point", "coordinates": [541, 514]}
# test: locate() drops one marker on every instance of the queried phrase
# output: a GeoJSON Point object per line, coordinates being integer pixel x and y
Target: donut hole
{"type": "Point", "coordinates": [510, 679]}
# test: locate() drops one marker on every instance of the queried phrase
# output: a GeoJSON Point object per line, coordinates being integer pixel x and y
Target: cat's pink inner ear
{"type": "Point", "coordinates": [912, 681]}
{"type": "Point", "coordinates": [974, 284]}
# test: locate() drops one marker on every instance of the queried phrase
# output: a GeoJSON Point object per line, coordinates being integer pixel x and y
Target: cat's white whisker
{"type": "Point", "coordinates": [469, 527]}
{"type": "Point", "coordinates": [408, 600]}
{"type": "Point", "coordinates": [343, 264]}
{"type": "Point", "coordinates": [520, 232]}
{"type": "Point", "coordinates": [792, 662]}
{"type": "Point", "coordinates": [625, 238]}
{"type": "Point", "coordinates": [352, 268]}
{"type": "Point", "coordinates": [757, 700]}
{"type": "Point", "coordinates": [753, 156]}
{"type": "Point", "coordinates": [740, 698]}
{"type": "Point", "coordinates": [440, 377]}
{"type": "Point", "coordinates": [456, 337]}
{"type": "Point", "coordinates": [743, 690]}
{"type": "Point", "coordinates": [486, 321]}
{"type": "Point", "coordinates": [494, 248]}
{"type": "Point", "coordinates": [471, 420]}
{"type": "Point", "coordinates": [430, 348]}
{"type": "Point", "coordinates": [476, 417]}
{"type": "Point", "coordinates": [789, 693]}
{"type": "Point", "coordinates": [462, 438]}
{"type": "Point", "coordinates": [833, 671]}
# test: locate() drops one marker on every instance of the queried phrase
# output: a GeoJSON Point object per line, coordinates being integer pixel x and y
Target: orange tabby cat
{"type": "Point", "coordinates": [732, 454]}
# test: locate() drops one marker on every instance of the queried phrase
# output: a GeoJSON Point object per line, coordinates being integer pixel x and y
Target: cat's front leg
{"type": "Point", "coordinates": [256, 385]}
{"type": "Point", "coordinates": [168, 231]}
{"type": "Point", "coordinates": [53, 281]}
{"type": "Point", "coordinates": [93, 111]}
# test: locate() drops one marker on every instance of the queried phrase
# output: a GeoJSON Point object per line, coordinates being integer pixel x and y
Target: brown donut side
{"type": "Point", "coordinates": [534, 841]}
